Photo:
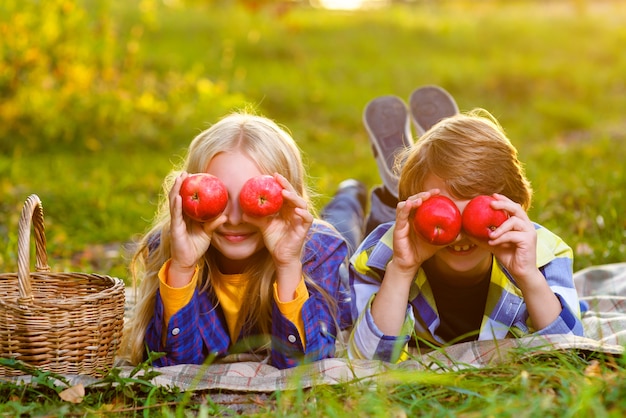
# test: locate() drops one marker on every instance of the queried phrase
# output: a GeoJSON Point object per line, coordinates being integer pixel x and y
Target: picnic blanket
{"type": "Point", "coordinates": [602, 289]}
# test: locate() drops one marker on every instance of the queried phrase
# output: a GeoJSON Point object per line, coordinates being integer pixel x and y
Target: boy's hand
{"type": "Point", "coordinates": [409, 249]}
{"type": "Point", "coordinates": [514, 243]}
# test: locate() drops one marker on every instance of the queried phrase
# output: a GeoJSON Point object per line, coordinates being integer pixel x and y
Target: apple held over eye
{"type": "Point", "coordinates": [479, 218]}
{"type": "Point", "coordinates": [261, 196]}
{"type": "Point", "coordinates": [204, 196]}
{"type": "Point", "coordinates": [438, 220]}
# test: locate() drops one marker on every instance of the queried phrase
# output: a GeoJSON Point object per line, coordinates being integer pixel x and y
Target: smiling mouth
{"type": "Point", "coordinates": [235, 237]}
{"type": "Point", "coordinates": [461, 248]}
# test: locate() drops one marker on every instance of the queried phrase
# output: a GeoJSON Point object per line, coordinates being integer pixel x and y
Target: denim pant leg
{"type": "Point", "coordinates": [346, 214]}
{"type": "Point", "coordinates": [382, 209]}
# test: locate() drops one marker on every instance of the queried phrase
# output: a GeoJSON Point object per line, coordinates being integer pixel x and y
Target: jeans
{"type": "Point", "coordinates": [346, 213]}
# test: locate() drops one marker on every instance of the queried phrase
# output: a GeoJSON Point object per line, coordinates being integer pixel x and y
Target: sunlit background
{"type": "Point", "coordinates": [349, 4]}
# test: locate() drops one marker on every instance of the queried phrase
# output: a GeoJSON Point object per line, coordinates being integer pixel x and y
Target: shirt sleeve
{"type": "Point", "coordinates": [556, 260]}
{"type": "Point", "coordinates": [292, 310]}
{"type": "Point", "coordinates": [367, 269]}
{"type": "Point", "coordinates": [324, 256]}
{"type": "Point", "coordinates": [368, 342]}
{"type": "Point", "coordinates": [174, 298]}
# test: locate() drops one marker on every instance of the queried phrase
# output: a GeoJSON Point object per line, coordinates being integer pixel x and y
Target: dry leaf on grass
{"type": "Point", "coordinates": [74, 394]}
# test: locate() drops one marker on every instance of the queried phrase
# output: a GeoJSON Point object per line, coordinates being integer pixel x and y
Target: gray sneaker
{"type": "Point", "coordinates": [386, 119]}
{"type": "Point", "coordinates": [430, 104]}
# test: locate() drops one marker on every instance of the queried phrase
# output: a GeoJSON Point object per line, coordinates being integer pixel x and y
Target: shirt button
{"type": "Point", "coordinates": [292, 338]}
{"type": "Point", "coordinates": [175, 331]}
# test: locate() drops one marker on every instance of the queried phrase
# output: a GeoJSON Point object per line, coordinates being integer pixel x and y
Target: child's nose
{"type": "Point", "coordinates": [459, 237]}
{"type": "Point", "coordinates": [233, 211]}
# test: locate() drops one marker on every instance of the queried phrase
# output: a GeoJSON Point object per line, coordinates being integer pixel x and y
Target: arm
{"type": "Point", "coordinates": [324, 254]}
{"type": "Point", "coordinates": [515, 244]}
{"type": "Point", "coordinates": [558, 273]}
{"type": "Point", "coordinates": [409, 252]}
{"type": "Point", "coordinates": [367, 267]}
{"type": "Point", "coordinates": [189, 239]}
{"type": "Point", "coordinates": [175, 327]}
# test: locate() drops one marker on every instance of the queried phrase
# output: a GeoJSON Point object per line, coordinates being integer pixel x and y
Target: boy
{"type": "Point", "coordinates": [518, 282]}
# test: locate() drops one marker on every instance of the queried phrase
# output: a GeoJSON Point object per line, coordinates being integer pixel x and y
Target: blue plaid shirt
{"type": "Point", "coordinates": [199, 329]}
{"type": "Point", "coordinates": [505, 312]}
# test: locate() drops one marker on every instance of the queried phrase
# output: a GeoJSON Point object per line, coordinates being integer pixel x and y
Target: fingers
{"type": "Point", "coordinates": [405, 208]}
{"type": "Point", "coordinates": [512, 208]}
{"type": "Point", "coordinates": [289, 192]}
{"type": "Point", "coordinates": [175, 200]}
{"type": "Point", "coordinates": [290, 196]}
{"type": "Point", "coordinates": [517, 229]}
{"type": "Point", "coordinates": [210, 226]}
{"type": "Point", "coordinates": [295, 209]}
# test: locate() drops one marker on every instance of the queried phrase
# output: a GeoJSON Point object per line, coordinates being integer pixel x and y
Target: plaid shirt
{"type": "Point", "coordinates": [199, 329]}
{"type": "Point", "coordinates": [505, 312]}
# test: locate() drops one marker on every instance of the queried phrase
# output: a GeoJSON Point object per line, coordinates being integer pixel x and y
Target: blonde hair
{"type": "Point", "coordinates": [274, 150]}
{"type": "Point", "coordinates": [472, 154]}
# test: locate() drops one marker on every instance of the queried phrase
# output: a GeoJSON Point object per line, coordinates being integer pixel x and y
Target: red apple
{"type": "Point", "coordinates": [479, 218]}
{"type": "Point", "coordinates": [438, 220]}
{"type": "Point", "coordinates": [261, 196]}
{"type": "Point", "coordinates": [204, 196]}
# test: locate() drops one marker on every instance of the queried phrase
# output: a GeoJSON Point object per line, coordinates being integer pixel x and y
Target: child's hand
{"type": "Point", "coordinates": [189, 239]}
{"type": "Point", "coordinates": [514, 243]}
{"type": "Point", "coordinates": [409, 249]}
{"type": "Point", "coordinates": [284, 234]}
{"type": "Point", "coordinates": [409, 252]}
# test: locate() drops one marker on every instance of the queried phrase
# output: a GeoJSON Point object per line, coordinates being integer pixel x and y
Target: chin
{"type": "Point", "coordinates": [468, 263]}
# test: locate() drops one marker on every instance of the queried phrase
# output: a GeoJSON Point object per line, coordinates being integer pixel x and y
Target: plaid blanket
{"type": "Point", "coordinates": [602, 289]}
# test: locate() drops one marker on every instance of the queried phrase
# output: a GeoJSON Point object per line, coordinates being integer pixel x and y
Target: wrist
{"type": "Point", "coordinates": [179, 275]}
{"type": "Point", "coordinates": [401, 273]}
{"type": "Point", "coordinates": [532, 281]}
{"type": "Point", "coordinates": [288, 278]}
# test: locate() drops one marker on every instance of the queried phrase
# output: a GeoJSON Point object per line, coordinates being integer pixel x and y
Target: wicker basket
{"type": "Point", "coordinates": [67, 323]}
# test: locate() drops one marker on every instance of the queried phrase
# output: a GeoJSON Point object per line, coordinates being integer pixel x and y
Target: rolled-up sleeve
{"type": "Point", "coordinates": [368, 342]}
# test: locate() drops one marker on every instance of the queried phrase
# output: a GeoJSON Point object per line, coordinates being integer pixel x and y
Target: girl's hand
{"type": "Point", "coordinates": [189, 239]}
{"type": "Point", "coordinates": [514, 243]}
{"type": "Point", "coordinates": [284, 233]}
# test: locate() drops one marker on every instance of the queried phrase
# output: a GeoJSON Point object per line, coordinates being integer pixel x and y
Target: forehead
{"type": "Point", "coordinates": [432, 181]}
{"type": "Point", "coordinates": [232, 165]}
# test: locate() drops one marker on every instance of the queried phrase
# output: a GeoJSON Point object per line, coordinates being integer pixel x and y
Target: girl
{"type": "Point", "coordinates": [238, 283]}
{"type": "Point", "coordinates": [518, 282]}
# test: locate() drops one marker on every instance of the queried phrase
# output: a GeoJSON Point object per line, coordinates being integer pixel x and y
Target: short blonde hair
{"type": "Point", "coordinates": [473, 156]}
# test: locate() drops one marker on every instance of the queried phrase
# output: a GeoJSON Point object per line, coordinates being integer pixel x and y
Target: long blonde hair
{"type": "Point", "coordinates": [472, 154]}
{"type": "Point", "coordinates": [274, 150]}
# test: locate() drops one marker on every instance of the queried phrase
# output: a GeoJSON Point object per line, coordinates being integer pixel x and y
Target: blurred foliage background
{"type": "Point", "coordinates": [99, 99]}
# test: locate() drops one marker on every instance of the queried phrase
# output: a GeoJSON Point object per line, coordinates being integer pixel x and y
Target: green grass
{"type": "Point", "coordinates": [558, 384]}
{"type": "Point", "coordinates": [98, 106]}
{"type": "Point", "coordinates": [552, 75]}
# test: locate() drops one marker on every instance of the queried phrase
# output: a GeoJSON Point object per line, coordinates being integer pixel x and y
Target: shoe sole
{"type": "Point", "coordinates": [429, 105]}
{"type": "Point", "coordinates": [386, 120]}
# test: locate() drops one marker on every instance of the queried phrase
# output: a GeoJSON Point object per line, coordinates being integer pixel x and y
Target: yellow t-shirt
{"type": "Point", "coordinates": [230, 294]}
{"type": "Point", "coordinates": [230, 290]}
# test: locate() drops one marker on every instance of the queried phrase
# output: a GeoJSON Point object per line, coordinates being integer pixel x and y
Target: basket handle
{"type": "Point", "coordinates": [32, 212]}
